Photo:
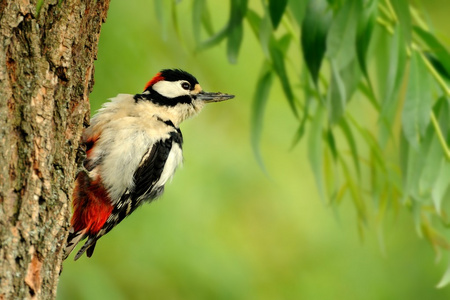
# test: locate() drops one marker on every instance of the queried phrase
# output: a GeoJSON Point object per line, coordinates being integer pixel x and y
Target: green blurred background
{"type": "Point", "coordinates": [224, 229]}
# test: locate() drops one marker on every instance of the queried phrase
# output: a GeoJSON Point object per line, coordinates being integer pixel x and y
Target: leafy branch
{"type": "Point", "coordinates": [363, 60]}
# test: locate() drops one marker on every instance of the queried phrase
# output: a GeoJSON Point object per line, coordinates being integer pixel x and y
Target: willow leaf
{"type": "Point", "coordinates": [417, 105]}
{"type": "Point", "coordinates": [366, 23]}
{"type": "Point", "coordinates": [445, 280]}
{"type": "Point", "coordinates": [351, 143]}
{"type": "Point", "coordinates": [314, 34]}
{"type": "Point", "coordinates": [432, 151]}
{"type": "Point", "coordinates": [258, 107]}
{"type": "Point", "coordinates": [436, 48]}
{"type": "Point", "coordinates": [336, 96]}
{"type": "Point", "coordinates": [355, 191]}
{"type": "Point", "coordinates": [234, 43]}
{"type": "Point", "coordinates": [277, 51]}
{"type": "Point", "coordinates": [401, 8]}
{"type": "Point", "coordinates": [341, 38]}
{"type": "Point", "coordinates": [197, 12]}
{"type": "Point", "coordinates": [265, 34]}
{"type": "Point", "coordinates": [254, 20]}
{"type": "Point", "coordinates": [277, 8]}
{"type": "Point", "coordinates": [441, 186]}
{"type": "Point", "coordinates": [343, 84]}
{"type": "Point", "coordinates": [315, 148]}
{"type": "Point", "coordinates": [238, 11]}
{"type": "Point", "coordinates": [298, 9]}
{"type": "Point", "coordinates": [309, 95]}
{"type": "Point", "coordinates": [162, 9]}
{"type": "Point", "coordinates": [395, 62]}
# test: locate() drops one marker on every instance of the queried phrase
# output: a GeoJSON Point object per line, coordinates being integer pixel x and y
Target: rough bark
{"type": "Point", "coordinates": [47, 51]}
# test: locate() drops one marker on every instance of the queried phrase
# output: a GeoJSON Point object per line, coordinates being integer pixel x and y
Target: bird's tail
{"type": "Point", "coordinates": [72, 240]}
{"type": "Point", "coordinates": [88, 247]}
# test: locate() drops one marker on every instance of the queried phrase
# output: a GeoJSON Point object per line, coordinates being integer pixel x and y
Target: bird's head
{"type": "Point", "coordinates": [180, 90]}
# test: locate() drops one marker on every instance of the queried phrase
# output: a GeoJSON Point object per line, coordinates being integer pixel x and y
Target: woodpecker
{"type": "Point", "coordinates": [133, 147]}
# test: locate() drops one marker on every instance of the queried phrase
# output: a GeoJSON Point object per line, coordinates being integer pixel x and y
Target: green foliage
{"type": "Point", "coordinates": [379, 54]}
{"type": "Point", "coordinates": [259, 105]}
{"type": "Point", "coordinates": [314, 33]}
{"type": "Point", "coordinates": [276, 10]}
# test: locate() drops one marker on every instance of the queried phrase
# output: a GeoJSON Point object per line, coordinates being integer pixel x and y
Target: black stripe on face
{"type": "Point", "coordinates": [159, 99]}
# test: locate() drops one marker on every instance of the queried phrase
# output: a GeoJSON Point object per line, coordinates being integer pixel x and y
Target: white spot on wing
{"type": "Point", "coordinates": [174, 159]}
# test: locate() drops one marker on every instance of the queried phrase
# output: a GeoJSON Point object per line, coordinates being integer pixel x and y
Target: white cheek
{"type": "Point", "coordinates": [170, 89]}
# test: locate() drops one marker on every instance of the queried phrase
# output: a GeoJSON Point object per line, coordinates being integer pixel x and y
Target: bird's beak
{"type": "Point", "coordinates": [213, 97]}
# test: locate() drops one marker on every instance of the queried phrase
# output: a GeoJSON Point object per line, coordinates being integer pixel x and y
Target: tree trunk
{"type": "Point", "coordinates": [47, 51]}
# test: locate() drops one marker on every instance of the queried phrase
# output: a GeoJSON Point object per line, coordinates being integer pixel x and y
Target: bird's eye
{"type": "Point", "coordinates": [186, 85]}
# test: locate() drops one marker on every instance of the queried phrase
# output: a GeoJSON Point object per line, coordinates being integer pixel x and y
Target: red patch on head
{"type": "Point", "coordinates": [91, 205]}
{"type": "Point", "coordinates": [158, 77]}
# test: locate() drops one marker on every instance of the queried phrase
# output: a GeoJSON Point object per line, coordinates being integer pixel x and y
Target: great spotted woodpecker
{"type": "Point", "coordinates": [133, 147]}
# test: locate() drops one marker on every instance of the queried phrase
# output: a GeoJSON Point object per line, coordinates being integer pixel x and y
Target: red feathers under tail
{"type": "Point", "coordinates": [91, 209]}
